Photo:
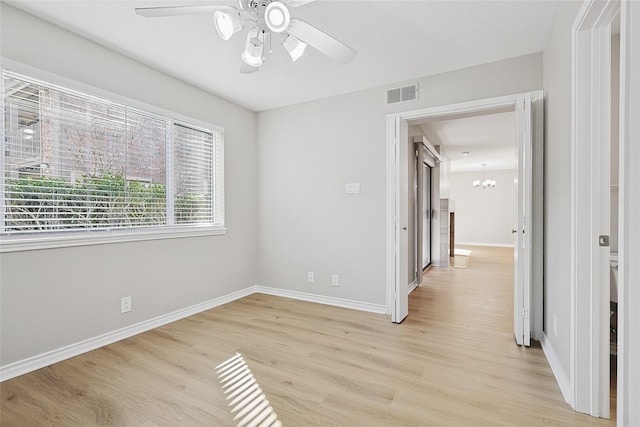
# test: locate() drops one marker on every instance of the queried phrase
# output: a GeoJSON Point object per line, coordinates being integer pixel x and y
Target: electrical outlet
{"type": "Point", "coordinates": [311, 277]}
{"type": "Point", "coordinates": [125, 305]}
{"type": "Point", "coordinates": [555, 325]}
{"type": "Point", "coordinates": [353, 188]}
{"type": "Point", "coordinates": [335, 280]}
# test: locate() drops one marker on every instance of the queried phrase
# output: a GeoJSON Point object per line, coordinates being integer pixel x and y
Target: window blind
{"type": "Point", "coordinates": [74, 161]}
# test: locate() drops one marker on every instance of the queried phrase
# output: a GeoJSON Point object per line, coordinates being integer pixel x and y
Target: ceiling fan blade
{"type": "Point", "coordinates": [246, 68]}
{"type": "Point", "coordinates": [156, 12]}
{"type": "Point", "coordinates": [321, 41]}
{"type": "Point", "coordinates": [295, 3]}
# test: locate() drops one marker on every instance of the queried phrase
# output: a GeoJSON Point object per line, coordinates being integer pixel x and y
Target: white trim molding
{"type": "Point", "coordinates": [556, 367]}
{"type": "Point", "coordinates": [58, 355]}
{"type": "Point", "coordinates": [30, 364]}
{"type": "Point", "coordinates": [628, 394]}
{"type": "Point", "coordinates": [321, 299]}
{"type": "Point", "coordinates": [103, 237]}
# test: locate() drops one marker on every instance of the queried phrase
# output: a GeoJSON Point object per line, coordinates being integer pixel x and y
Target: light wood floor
{"type": "Point", "coordinates": [453, 362]}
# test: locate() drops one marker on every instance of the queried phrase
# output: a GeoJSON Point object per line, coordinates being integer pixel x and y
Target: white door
{"type": "Point", "coordinates": [404, 177]}
{"type": "Point", "coordinates": [523, 232]}
{"type": "Point", "coordinates": [426, 215]}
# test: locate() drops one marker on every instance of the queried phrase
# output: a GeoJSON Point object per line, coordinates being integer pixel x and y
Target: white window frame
{"type": "Point", "coordinates": [37, 241]}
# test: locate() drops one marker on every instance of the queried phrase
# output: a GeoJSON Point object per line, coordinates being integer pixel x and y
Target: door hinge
{"type": "Point", "coordinates": [524, 313]}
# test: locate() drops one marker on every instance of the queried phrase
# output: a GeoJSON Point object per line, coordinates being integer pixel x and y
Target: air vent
{"type": "Point", "coordinates": [402, 94]}
{"type": "Point", "coordinates": [394, 96]}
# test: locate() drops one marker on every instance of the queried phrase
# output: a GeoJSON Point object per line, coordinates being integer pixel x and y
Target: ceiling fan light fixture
{"type": "Point", "coordinates": [254, 46]}
{"type": "Point", "coordinates": [227, 24]}
{"type": "Point", "coordinates": [277, 17]}
{"type": "Point", "coordinates": [261, 18]}
{"type": "Point", "coordinates": [294, 46]}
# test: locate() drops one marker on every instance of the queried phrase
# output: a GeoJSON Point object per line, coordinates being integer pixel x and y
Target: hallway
{"type": "Point", "coordinates": [466, 314]}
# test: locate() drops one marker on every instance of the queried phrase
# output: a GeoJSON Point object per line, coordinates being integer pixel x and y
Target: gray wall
{"type": "Point", "coordinates": [485, 216]}
{"type": "Point", "coordinates": [308, 152]}
{"type": "Point", "coordinates": [52, 298]}
{"type": "Point", "coordinates": [557, 183]}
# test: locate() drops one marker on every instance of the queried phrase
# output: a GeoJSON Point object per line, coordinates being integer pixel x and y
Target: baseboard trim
{"type": "Point", "coordinates": [54, 356]}
{"type": "Point", "coordinates": [321, 299]}
{"type": "Point", "coordinates": [561, 376]}
{"type": "Point", "coordinates": [493, 245]}
{"type": "Point", "coordinates": [49, 358]}
{"type": "Point", "coordinates": [412, 286]}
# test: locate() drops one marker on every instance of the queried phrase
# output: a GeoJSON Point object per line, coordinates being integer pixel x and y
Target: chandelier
{"type": "Point", "coordinates": [485, 183]}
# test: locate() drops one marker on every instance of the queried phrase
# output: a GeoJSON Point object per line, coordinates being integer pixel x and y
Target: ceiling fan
{"type": "Point", "coordinates": [262, 18]}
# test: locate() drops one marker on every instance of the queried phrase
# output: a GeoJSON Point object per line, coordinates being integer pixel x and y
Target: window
{"type": "Point", "coordinates": [73, 162]}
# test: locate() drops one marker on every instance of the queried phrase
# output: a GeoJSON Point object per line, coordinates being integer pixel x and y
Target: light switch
{"type": "Point", "coordinates": [353, 188]}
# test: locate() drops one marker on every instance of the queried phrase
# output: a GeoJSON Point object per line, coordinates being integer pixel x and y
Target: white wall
{"type": "Point", "coordinates": [484, 216]}
{"type": "Point", "coordinates": [53, 298]}
{"type": "Point", "coordinates": [308, 152]}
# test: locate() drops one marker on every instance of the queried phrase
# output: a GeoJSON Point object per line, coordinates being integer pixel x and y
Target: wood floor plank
{"type": "Point", "coordinates": [452, 362]}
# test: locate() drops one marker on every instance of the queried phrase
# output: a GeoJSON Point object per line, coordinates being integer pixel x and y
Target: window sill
{"type": "Point", "coordinates": [102, 237]}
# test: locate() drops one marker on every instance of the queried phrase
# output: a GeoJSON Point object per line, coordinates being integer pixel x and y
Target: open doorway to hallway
{"type": "Point", "coordinates": [400, 229]}
{"type": "Point", "coordinates": [480, 178]}
{"type": "Point", "coordinates": [476, 185]}
{"type": "Point", "coordinates": [465, 316]}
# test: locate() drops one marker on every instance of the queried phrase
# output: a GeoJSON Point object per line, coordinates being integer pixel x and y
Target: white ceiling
{"type": "Point", "coordinates": [396, 41]}
{"type": "Point", "coordinates": [487, 138]}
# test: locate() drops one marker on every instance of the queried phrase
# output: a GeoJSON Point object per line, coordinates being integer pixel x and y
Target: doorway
{"type": "Point", "coordinates": [596, 208]}
{"type": "Point", "coordinates": [591, 118]}
{"type": "Point", "coordinates": [426, 216]}
{"type": "Point", "coordinates": [426, 161]}
{"type": "Point", "coordinates": [398, 251]}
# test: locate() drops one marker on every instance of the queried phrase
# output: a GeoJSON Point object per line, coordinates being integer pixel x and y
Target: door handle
{"type": "Point", "coordinates": [513, 231]}
{"type": "Point", "coordinates": [404, 228]}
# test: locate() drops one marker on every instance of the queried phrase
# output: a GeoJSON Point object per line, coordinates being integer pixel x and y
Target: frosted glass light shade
{"type": "Point", "coordinates": [227, 24]}
{"type": "Point", "coordinates": [252, 54]}
{"type": "Point", "coordinates": [294, 47]}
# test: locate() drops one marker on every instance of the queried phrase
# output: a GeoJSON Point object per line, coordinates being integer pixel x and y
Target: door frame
{"type": "Point", "coordinates": [628, 411]}
{"type": "Point", "coordinates": [427, 170]}
{"type": "Point", "coordinates": [419, 221]}
{"type": "Point", "coordinates": [425, 162]}
{"type": "Point", "coordinates": [590, 117]}
{"type": "Point", "coordinates": [501, 103]}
